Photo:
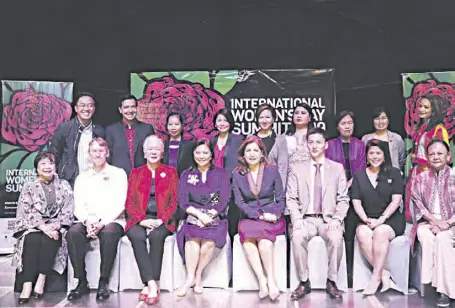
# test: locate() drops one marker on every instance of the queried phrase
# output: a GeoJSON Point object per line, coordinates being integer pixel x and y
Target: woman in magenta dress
{"type": "Point", "coordinates": [203, 193]}
{"type": "Point", "coordinates": [259, 193]}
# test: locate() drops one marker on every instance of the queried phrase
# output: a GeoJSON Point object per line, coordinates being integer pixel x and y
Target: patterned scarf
{"type": "Point", "coordinates": [441, 185]}
{"type": "Point", "coordinates": [256, 186]}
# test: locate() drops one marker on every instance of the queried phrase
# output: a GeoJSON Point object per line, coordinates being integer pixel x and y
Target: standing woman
{"type": "Point", "coordinates": [376, 194]}
{"type": "Point", "coordinates": [44, 213]}
{"type": "Point", "coordinates": [151, 202]}
{"type": "Point", "coordinates": [430, 127]}
{"type": "Point", "coordinates": [204, 192]}
{"type": "Point", "coordinates": [393, 142]}
{"type": "Point", "coordinates": [350, 152]}
{"type": "Point", "coordinates": [259, 193]}
{"type": "Point", "coordinates": [176, 149]}
{"type": "Point", "coordinates": [225, 147]}
{"type": "Point", "coordinates": [265, 116]}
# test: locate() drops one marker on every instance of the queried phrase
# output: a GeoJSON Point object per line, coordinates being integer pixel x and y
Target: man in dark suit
{"type": "Point", "coordinates": [71, 139]}
{"type": "Point", "coordinates": [125, 138]}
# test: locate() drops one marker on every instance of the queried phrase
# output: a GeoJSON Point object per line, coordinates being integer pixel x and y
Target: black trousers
{"type": "Point", "coordinates": [149, 262]}
{"type": "Point", "coordinates": [77, 241]}
{"type": "Point", "coordinates": [233, 217]}
{"type": "Point", "coordinates": [350, 224]}
{"type": "Point", "coordinates": [38, 255]}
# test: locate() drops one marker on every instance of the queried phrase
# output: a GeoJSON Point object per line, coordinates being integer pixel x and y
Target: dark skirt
{"type": "Point", "coordinates": [259, 229]}
{"type": "Point", "coordinates": [397, 222]}
{"type": "Point", "coordinates": [215, 233]}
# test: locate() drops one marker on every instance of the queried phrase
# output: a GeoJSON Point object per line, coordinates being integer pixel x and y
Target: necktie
{"type": "Point", "coordinates": [317, 190]}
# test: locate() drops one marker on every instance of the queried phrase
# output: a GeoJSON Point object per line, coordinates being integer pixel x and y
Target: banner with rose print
{"type": "Point", "coordinates": [417, 85]}
{"type": "Point", "coordinates": [31, 111]}
{"type": "Point", "coordinates": [200, 94]}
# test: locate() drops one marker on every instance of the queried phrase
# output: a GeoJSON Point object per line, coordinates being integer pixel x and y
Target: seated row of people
{"type": "Point", "coordinates": [316, 196]}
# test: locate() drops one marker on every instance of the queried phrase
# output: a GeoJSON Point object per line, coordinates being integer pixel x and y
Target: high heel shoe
{"type": "Point", "coordinates": [23, 300]}
{"type": "Point", "coordinates": [151, 300]}
{"type": "Point", "coordinates": [142, 297]}
{"type": "Point", "coordinates": [37, 295]}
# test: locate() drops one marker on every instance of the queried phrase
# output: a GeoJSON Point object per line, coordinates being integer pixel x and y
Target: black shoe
{"type": "Point", "coordinates": [103, 291]}
{"type": "Point", "coordinates": [81, 289]}
{"type": "Point", "coordinates": [37, 295]}
{"type": "Point", "coordinates": [332, 290]}
{"type": "Point", "coordinates": [302, 289]}
{"type": "Point", "coordinates": [23, 300]}
{"type": "Point", "coordinates": [442, 300]}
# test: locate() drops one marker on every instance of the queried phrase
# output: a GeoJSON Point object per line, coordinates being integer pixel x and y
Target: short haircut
{"type": "Point", "coordinates": [378, 111]}
{"type": "Point", "coordinates": [437, 140]}
{"type": "Point", "coordinates": [344, 114]}
{"type": "Point", "coordinates": [81, 94]}
{"type": "Point", "coordinates": [265, 107]}
{"type": "Point", "coordinates": [125, 97]}
{"type": "Point", "coordinates": [206, 142]}
{"type": "Point", "coordinates": [175, 114]}
{"type": "Point", "coordinates": [101, 142]}
{"type": "Point", "coordinates": [315, 131]}
{"type": "Point", "coordinates": [227, 114]}
{"type": "Point", "coordinates": [43, 155]}
{"type": "Point", "coordinates": [153, 138]}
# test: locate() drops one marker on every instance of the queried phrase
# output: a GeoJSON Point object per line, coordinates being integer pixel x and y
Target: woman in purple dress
{"type": "Point", "coordinates": [176, 149]}
{"type": "Point", "coordinates": [259, 193]}
{"type": "Point", "coordinates": [203, 193]}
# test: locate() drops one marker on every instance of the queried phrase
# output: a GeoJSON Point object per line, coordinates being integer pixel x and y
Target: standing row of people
{"type": "Point", "coordinates": [296, 191]}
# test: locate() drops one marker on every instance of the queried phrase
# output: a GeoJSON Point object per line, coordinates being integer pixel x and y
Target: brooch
{"type": "Point", "coordinates": [163, 175]}
{"type": "Point", "coordinates": [389, 181]}
{"type": "Point", "coordinates": [192, 179]}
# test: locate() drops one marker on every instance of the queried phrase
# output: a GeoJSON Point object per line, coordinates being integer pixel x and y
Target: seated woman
{"type": "Point", "coordinates": [376, 194]}
{"type": "Point", "coordinates": [151, 202]}
{"type": "Point", "coordinates": [44, 213]}
{"type": "Point", "coordinates": [204, 192]}
{"type": "Point", "coordinates": [259, 193]}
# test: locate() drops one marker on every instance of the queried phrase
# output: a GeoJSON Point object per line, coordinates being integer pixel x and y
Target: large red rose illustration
{"type": "Point", "coordinates": [31, 118]}
{"type": "Point", "coordinates": [431, 87]}
{"type": "Point", "coordinates": [197, 104]}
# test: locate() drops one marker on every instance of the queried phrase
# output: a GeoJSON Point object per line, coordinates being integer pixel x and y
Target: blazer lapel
{"type": "Point", "coordinates": [137, 134]}
{"type": "Point", "coordinates": [226, 150]}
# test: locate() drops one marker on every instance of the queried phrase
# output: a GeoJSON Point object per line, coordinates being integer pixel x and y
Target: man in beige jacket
{"type": "Point", "coordinates": [317, 198]}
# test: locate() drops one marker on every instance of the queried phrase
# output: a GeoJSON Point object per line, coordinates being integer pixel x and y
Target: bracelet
{"type": "Point", "coordinates": [385, 217]}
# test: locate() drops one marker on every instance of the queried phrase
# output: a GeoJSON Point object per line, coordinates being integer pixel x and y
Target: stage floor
{"type": "Point", "coordinates": [210, 298]}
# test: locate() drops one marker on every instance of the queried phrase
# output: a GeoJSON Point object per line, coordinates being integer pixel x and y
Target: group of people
{"type": "Point", "coordinates": [96, 183]}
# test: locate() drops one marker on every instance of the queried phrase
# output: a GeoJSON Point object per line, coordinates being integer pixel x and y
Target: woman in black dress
{"type": "Point", "coordinates": [376, 194]}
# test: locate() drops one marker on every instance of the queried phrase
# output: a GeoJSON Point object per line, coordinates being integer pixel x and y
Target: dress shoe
{"type": "Point", "coordinates": [103, 292]}
{"type": "Point", "coordinates": [302, 289]}
{"type": "Point", "coordinates": [152, 300]}
{"type": "Point", "coordinates": [37, 295]}
{"type": "Point", "coordinates": [332, 290]}
{"type": "Point", "coordinates": [442, 300]}
{"type": "Point", "coordinates": [81, 289]}
{"type": "Point", "coordinates": [23, 300]}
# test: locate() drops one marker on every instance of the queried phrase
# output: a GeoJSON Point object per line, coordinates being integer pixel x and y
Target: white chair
{"type": "Point", "coordinates": [129, 271]}
{"type": "Point", "coordinates": [243, 275]}
{"type": "Point", "coordinates": [397, 263]}
{"type": "Point", "coordinates": [217, 273]}
{"type": "Point", "coordinates": [92, 266]}
{"type": "Point", "coordinates": [416, 269]}
{"type": "Point", "coordinates": [318, 266]}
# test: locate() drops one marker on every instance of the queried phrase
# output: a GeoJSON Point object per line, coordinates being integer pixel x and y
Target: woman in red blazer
{"type": "Point", "coordinates": [150, 206]}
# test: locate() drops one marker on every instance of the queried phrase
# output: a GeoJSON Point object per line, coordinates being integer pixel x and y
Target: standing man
{"type": "Point", "coordinates": [99, 203]}
{"type": "Point", "coordinates": [318, 201]}
{"type": "Point", "coordinates": [71, 139]}
{"type": "Point", "coordinates": [125, 138]}
{"type": "Point", "coordinates": [433, 195]}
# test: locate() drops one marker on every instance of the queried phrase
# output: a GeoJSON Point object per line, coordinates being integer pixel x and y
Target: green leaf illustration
{"type": "Point", "coordinates": [201, 77]}
{"type": "Point", "coordinates": [448, 77]}
{"type": "Point", "coordinates": [10, 155]}
{"type": "Point", "coordinates": [225, 81]}
{"type": "Point", "coordinates": [415, 77]}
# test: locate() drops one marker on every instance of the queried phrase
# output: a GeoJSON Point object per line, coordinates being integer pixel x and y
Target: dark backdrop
{"type": "Point", "coordinates": [97, 44]}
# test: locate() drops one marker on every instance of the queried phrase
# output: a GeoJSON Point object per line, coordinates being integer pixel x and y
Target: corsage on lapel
{"type": "Point", "coordinates": [163, 175]}
{"type": "Point", "coordinates": [193, 179]}
{"type": "Point", "coordinates": [389, 181]}
{"type": "Point", "coordinates": [214, 198]}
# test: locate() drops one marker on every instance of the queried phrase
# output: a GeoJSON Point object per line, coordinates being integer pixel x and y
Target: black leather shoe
{"type": "Point", "coordinates": [332, 290]}
{"type": "Point", "coordinates": [103, 292]}
{"type": "Point", "coordinates": [81, 289]}
{"type": "Point", "coordinates": [23, 300]}
{"type": "Point", "coordinates": [37, 295]}
{"type": "Point", "coordinates": [302, 289]}
{"type": "Point", "coordinates": [442, 300]}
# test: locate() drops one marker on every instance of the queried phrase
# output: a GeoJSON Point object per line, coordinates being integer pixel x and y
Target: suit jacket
{"type": "Point", "coordinates": [357, 158]}
{"type": "Point", "coordinates": [231, 152]}
{"type": "Point", "coordinates": [118, 146]}
{"type": "Point", "coordinates": [65, 143]}
{"type": "Point", "coordinates": [184, 157]}
{"type": "Point", "coordinates": [139, 183]}
{"type": "Point", "coordinates": [396, 148]}
{"type": "Point", "coordinates": [335, 200]}
{"type": "Point", "coordinates": [271, 198]}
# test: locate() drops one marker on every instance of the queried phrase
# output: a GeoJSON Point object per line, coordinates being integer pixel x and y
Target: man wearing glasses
{"type": "Point", "coordinates": [71, 139]}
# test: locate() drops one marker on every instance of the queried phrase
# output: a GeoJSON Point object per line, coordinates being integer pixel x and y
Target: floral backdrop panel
{"type": "Point", "coordinates": [198, 95]}
{"type": "Point", "coordinates": [440, 86]}
{"type": "Point", "coordinates": [31, 111]}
